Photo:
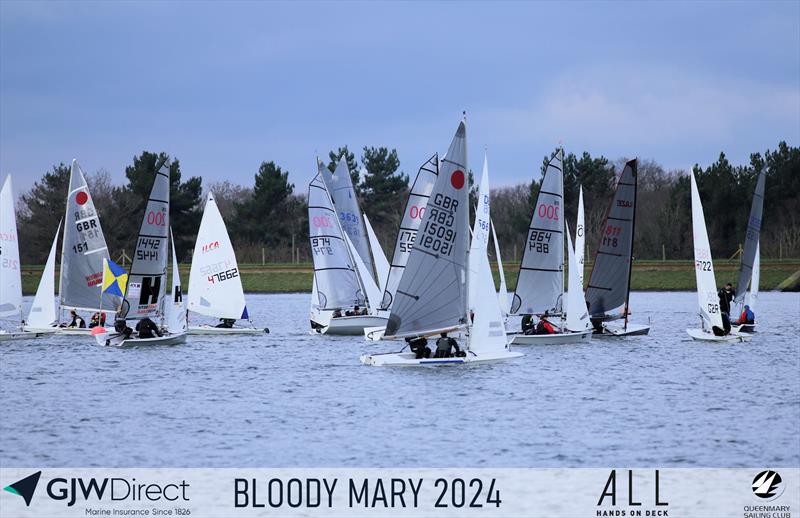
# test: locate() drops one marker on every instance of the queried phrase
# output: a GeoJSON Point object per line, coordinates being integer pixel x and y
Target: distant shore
{"type": "Point", "coordinates": [647, 275]}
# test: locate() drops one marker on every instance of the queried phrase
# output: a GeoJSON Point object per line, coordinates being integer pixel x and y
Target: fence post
{"type": "Point", "coordinates": [780, 249]}
{"type": "Point", "coordinates": [292, 247]}
{"type": "Point", "coordinates": [663, 253]}
{"type": "Point", "coordinates": [263, 256]}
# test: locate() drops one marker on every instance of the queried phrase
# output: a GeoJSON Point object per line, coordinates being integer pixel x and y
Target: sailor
{"type": "Point", "coordinates": [726, 295]}
{"type": "Point", "coordinates": [95, 321]}
{"type": "Point", "coordinates": [528, 327]}
{"type": "Point", "coordinates": [445, 346]}
{"type": "Point", "coordinates": [544, 327]}
{"type": "Point", "coordinates": [747, 316]}
{"type": "Point", "coordinates": [419, 346]}
{"type": "Point", "coordinates": [356, 311]}
{"type": "Point", "coordinates": [121, 327]}
{"type": "Point", "coordinates": [77, 320]}
{"type": "Point", "coordinates": [226, 323]}
{"type": "Point", "coordinates": [337, 313]}
{"type": "Point", "coordinates": [147, 328]}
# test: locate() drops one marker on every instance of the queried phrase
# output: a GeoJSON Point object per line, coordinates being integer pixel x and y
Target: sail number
{"type": "Point", "coordinates": [713, 308]}
{"type": "Point", "coordinates": [158, 219]}
{"type": "Point", "coordinates": [703, 266]}
{"type": "Point", "coordinates": [405, 241]}
{"type": "Point", "coordinates": [321, 246]}
{"type": "Point", "coordinates": [321, 221]}
{"type": "Point", "coordinates": [548, 211]}
{"type": "Point", "coordinates": [416, 212]}
{"type": "Point", "coordinates": [540, 241]}
{"type": "Point", "coordinates": [438, 234]}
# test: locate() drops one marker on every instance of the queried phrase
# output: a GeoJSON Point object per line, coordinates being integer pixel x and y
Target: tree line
{"type": "Point", "coordinates": [269, 219]}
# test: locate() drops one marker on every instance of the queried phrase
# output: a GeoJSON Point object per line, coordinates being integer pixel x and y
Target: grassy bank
{"type": "Point", "coordinates": [647, 275]}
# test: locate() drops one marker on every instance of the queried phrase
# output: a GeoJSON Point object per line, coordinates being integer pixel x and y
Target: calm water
{"type": "Point", "coordinates": [292, 399]}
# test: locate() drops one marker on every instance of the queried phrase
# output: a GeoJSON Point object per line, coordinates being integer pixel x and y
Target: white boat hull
{"type": "Point", "coordinates": [54, 330]}
{"type": "Point", "coordinates": [354, 325]}
{"type": "Point", "coordinates": [7, 336]}
{"type": "Point", "coordinates": [631, 330]}
{"type": "Point", "coordinates": [570, 337]}
{"type": "Point", "coordinates": [223, 331]}
{"type": "Point", "coordinates": [409, 359]}
{"type": "Point", "coordinates": [705, 336]}
{"type": "Point", "coordinates": [744, 328]}
{"type": "Point", "coordinates": [137, 342]}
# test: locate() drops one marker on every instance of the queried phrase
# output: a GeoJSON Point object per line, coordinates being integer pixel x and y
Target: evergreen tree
{"type": "Point", "coordinates": [384, 190]}
{"type": "Point", "coordinates": [40, 211]}
{"type": "Point", "coordinates": [263, 218]}
{"type": "Point", "coordinates": [352, 164]}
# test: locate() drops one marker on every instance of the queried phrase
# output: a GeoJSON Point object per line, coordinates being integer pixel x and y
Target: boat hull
{"type": "Point", "coordinates": [19, 335]}
{"type": "Point", "coordinates": [744, 328]}
{"type": "Point", "coordinates": [409, 359]}
{"type": "Point", "coordinates": [705, 336]}
{"type": "Point", "coordinates": [571, 337]}
{"type": "Point", "coordinates": [222, 331]}
{"type": "Point", "coordinates": [351, 326]}
{"type": "Point", "coordinates": [53, 330]}
{"type": "Point", "coordinates": [140, 342]}
{"type": "Point", "coordinates": [632, 330]}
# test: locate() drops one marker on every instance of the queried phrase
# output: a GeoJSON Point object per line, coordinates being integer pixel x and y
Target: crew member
{"type": "Point", "coordinates": [226, 323]}
{"type": "Point", "coordinates": [747, 316]}
{"type": "Point", "coordinates": [147, 328]}
{"type": "Point", "coordinates": [726, 296]}
{"type": "Point", "coordinates": [419, 346]}
{"type": "Point", "coordinates": [77, 320]}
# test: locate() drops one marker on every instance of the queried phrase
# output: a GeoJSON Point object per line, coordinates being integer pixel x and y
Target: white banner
{"type": "Point", "coordinates": [345, 492]}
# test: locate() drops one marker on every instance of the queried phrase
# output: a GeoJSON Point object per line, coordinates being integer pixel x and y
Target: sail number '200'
{"type": "Point", "coordinates": [548, 211]}
{"type": "Point", "coordinates": [158, 219]}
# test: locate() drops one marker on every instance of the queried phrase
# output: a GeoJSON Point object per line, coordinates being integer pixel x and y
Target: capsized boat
{"type": "Point", "coordinates": [609, 289]}
{"type": "Point", "coordinates": [432, 296]}
{"type": "Point", "coordinates": [146, 290]}
{"type": "Point", "coordinates": [342, 281]}
{"type": "Point", "coordinates": [215, 287]}
{"type": "Point", "coordinates": [711, 329]}
{"type": "Point", "coordinates": [83, 250]}
{"type": "Point", "coordinates": [540, 284]}
{"type": "Point", "coordinates": [749, 269]}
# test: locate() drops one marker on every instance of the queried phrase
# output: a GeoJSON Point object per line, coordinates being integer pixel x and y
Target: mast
{"type": "Point", "coordinates": [633, 233]}
{"type": "Point", "coordinates": [566, 230]}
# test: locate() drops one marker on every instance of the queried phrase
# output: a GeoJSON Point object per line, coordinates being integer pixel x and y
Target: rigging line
{"type": "Point", "coordinates": [96, 250]}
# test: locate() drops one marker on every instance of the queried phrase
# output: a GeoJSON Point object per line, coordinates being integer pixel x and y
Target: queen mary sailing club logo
{"type": "Point", "coordinates": [25, 487]}
{"type": "Point", "coordinates": [768, 485]}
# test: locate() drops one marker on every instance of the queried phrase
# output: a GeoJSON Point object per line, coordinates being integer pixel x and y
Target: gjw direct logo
{"type": "Point", "coordinates": [25, 487]}
{"type": "Point", "coordinates": [768, 485]}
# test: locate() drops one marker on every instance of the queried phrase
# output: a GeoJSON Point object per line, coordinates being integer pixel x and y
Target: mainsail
{"type": "Point", "coordinates": [341, 190]}
{"type": "Point", "coordinates": [215, 287]}
{"type": "Point", "coordinates": [10, 275]}
{"type": "Point", "coordinates": [580, 237]}
{"type": "Point", "coordinates": [82, 250]}
{"type": "Point", "coordinates": [147, 281]}
{"type": "Point", "coordinates": [577, 316]}
{"type": "Point", "coordinates": [414, 212]}
{"type": "Point", "coordinates": [707, 298]}
{"type": "Point", "coordinates": [43, 310]}
{"type": "Point", "coordinates": [432, 295]}
{"type": "Point", "coordinates": [480, 229]}
{"type": "Point", "coordinates": [609, 282]}
{"type": "Point", "coordinates": [751, 239]}
{"type": "Point", "coordinates": [540, 285]}
{"type": "Point", "coordinates": [334, 272]}
{"type": "Point", "coordinates": [176, 308]}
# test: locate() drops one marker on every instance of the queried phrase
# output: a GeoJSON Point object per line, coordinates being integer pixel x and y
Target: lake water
{"type": "Point", "coordinates": [293, 399]}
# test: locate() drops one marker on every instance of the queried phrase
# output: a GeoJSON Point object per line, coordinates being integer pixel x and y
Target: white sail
{"type": "Point", "coordinates": [43, 310]}
{"type": "Point", "coordinates": [148, 278]}
{"type": "Point", "coordinates": [488, 333]}
{"type": "Point", "coordinates": [577, 314]}
{"type": "Point", "coordinates": [480, 229]}
{"type": "Point", "coordinates": [215, 287]}
{"type": "Point", "coordinates": [707, 298]}
{"type": "Point", "coordinates": [381, 263]}
{"type": "Point", "coordinates": [345, 202]}
{"type": "Point", "coordinates": [753, 301]}
{"type": "Point", "coordinates": [580, 237]}
{"type": "Point", "coordinates": [176, 308]}
{"type": "Point", "coordinates": [540, 284]}
{"type": "Point", "coordinates": [371, 290]}
{"type": "Point", "coordinates": [406, 234]}
{"type": "Point", "coordinates": [432, 294]}
{"type": "Point", "coordinates": [502, 294]}
{"type": "Point", "coordinates": [334, 272]}
{"type": "Point", "coordinates": [10, 273]}
{"type": "Point", "coordinates": [82, 250]}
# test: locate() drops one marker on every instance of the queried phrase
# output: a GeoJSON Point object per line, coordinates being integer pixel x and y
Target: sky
{"type": "Point", "coordinates": [225, 86]}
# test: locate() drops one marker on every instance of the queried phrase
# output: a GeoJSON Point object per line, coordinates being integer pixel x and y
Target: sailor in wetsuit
{"type": "Point", "coordinates": [419, 346]}
{"type": "Point", "coordinates": [146, 328]}
{"type": "Point", "coordinates": [226, 323]}
{"type": "Point", "coordinates": [445, 346]}
{"type": "Point", "coordinates": [528, 327]}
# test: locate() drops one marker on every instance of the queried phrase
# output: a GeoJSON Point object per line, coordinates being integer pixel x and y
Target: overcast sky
{"type": "Point", "coordinates": [225, 86]}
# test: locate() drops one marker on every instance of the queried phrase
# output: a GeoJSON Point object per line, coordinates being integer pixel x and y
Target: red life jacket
{"type": "Point", "coordinates": [548, 327]}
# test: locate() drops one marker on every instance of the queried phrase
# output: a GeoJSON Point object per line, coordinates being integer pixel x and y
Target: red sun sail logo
{"type": "Point", "coordinates": [81, 198]}
{"type": "Point", "coordinates": [457, 179]}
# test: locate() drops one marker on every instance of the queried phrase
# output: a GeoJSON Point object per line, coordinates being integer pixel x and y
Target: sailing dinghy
{"type": "Point", "coordinates": [750, 261]}
{"type": "Point", "coordinates": [10, 273]}
{"type": "Point", "coordinates": [432, 295]}
{"type": "Point", "coordinates": [83, 250]}
{"type": "Point", "coordinates": [609, 287]}
{"type": "Point", "coordinates": [711, 329]}
{"type": "Point", "coordinates": [215, 287]}
{"type": "Point", "coordinates": [146, 290]}
{"type": "Point", "coordinates": [341, 283]}
{"type": "Point", "coordinates": [540, 284]}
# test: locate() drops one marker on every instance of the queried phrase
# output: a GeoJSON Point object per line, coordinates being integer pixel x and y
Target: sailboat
{"type": "Point", "coordinates": [749, 269]}
{"type": "Point", "coordinates": [215, 287]}
{"type": "Point", "coordinates": [82, 252]}
{"type": "Point", "coordinates": [412, 216]}
{"type": "Point", "coordinates": [708, 301]}
{"type": "Point", "coordinates": [609, 287]}
{"type": "Point", "coordinates": [10, 273]}
{"type": "Point", "coordinates": [540, 284]}
{"type": "Point", "coordinates": [176, 311]}
{"type": "Point", "coordinates": [502, 293]}
{"type": "Point", "coordinates": [146, 290]}
{"type": "Point", "coordinates": [342, 281]}
{"type": "Point", "coordinates": [432, 296]}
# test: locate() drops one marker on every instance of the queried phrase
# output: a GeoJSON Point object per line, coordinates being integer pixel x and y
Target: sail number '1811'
{"type": "Point", "coordinates": [438, 234]}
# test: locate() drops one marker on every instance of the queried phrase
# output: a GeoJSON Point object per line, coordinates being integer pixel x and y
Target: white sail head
{"type": "Point", "coordinates": [577, 314]}
{"type": "Point", "coordinates": [540, 284]}
{"type": "Point", "coordinates": [487, 333]}
{"type": "Point", "coordinates": [580, 237]}
{"type": "Point", "coordinates": [215, 286]}
{"type": "Point", "coordinates": [707, 298]}
{"type": "Point", "coordinates": [82, 250]}
{"type": "Point", "coordinates": [432, 293]}
{"type": "Point", "coordinates": [502, 293]}
{"type": "Point", "coordinates": [176, 309]}
{"type": "Point", "coordinates": [10, 273]}
{"type": "Point", "coordinates": [480, 228]}
{"type": "Point", "coordinates": [334, 272]}
{"type": "Point", "coordinates": [43, 309]}
{"type": "Point", "coordinates": [414, 212]}
{"type": "Point", "coordinates": [381, 263]}
{"type": "Point", "coordinates": [148, 277]}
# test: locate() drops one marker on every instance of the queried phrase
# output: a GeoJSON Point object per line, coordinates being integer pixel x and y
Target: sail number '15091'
{"type": "Point", "coordinates": [438, 234]}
